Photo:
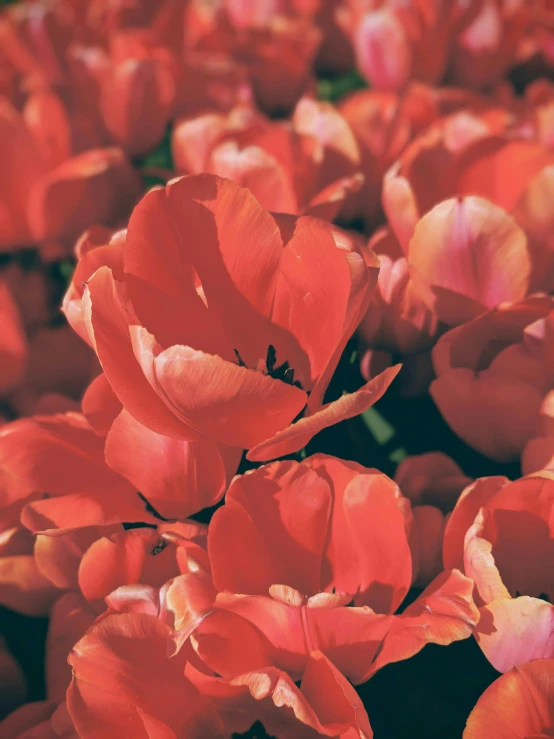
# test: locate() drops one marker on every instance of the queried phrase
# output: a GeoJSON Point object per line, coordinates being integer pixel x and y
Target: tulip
{"type": "Point", "coordinates": [499, 533]}
{"type": "Point", "coordinates": [63, 457]}
{"type": "Point", "coordinates": [301, 560]}
{"type": "Point", "coordinates": [493, 370]}
{"type": "Point", "coordinates": [307, 166]}
{"type": "Point", "coordinates": [519, 704]}
{"type": "Point", "coordinates": [50, 197]}
{"type": "Point", "coordinates": [245, 363]}
{"type": "Point", "coordinates": [137, 95]}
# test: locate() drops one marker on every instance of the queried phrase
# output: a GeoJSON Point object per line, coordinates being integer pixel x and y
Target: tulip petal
{"type": "Point", "coordinates": [275, 523]}
{"type": "Point", "coordinates": [62, 514]}
{"type": "Point", "coordinates": [442, 614]}
{"type": "Point", "coordinates": [226, 402]}
{"type": "Point", "coordinates": [512, 631]}
{"type": "Point", "coordinates": [472, 255]}
{"type": "Point", "coordinates": [473, 498]}
{"type": "Point", "coordinates": [177, 477]}
{"type": "Point", "coordinates": [518, 704]}
{"type": "Point", "coordinates": [108, 322]}
{"type": "Point", "coordinates": [113, 687]}
{"type": "Point", "coordinates": [298, 434]}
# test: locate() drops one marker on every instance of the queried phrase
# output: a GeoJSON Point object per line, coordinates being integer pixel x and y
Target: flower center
{"type": "Point", "coordinates": [283, 372]}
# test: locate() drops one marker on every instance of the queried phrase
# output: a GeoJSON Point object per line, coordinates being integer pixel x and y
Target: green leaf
{"type": "Point", "coordinates": [333, 89]}
{"type": "Point", "coordinates": [379, 427]}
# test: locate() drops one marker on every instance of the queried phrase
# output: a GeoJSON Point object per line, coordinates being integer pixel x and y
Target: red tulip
{"type": "Point", "coordinates": [113, 694]}
{"type": "Point", "coordinates": [35, 36]}
{"type": "Point", "coordinates": [137, 94]}
{"type": "Point", "coordinates": [396, 43]}
{"type": "Point", "coordinates": [474, 155]}
{"type": "Point", "coordinates": [294, 545]}
{"type": "Point", "coordinates": [249, 354]}
{"type": "Point", "coordinates": [307, 166]}
{"type": "Point", "coordinates": [63, 457]}
{"type": "Point", "coordinates": [499, 532]}
{"type": "Point", "coordinates": [493, 370]}
{"type": "Point", "coordinates": [276, 48]}
{"type": "Point", "coordinates": [486, 48]}
{"type": "Point", "coordinates": [48, 198]}
{"type": "Point", "coordinates": [519, 704]}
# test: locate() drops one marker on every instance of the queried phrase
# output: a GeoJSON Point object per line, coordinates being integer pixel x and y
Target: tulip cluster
{"type": "Point", "coordinates": [276, 369]}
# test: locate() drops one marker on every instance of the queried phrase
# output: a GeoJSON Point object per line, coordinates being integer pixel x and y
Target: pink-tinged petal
{"type": "Point", "coordinates": [517, 523]}
{"type": "Point", "coordinates": [221, 400]}
{"type": "Point", "coordinates": [400, 206]}
{"type": "Point", "coordinates": [70, 618]}
{"type": "Point", "coordinates": [518, 704]}
{"type": "Point", "coordinates": [272, 529]}
{"type": "Point", "coordinates": [192, 140]}
{"type": "Point", "coordinates": [298, 434]}
{"type": "Point", "coordinates": [341, 153]}
{"type": "Point", "coordinates": [383, 50]}
{"type": "Point", "coordinates": [14, 349]}
{"type": "Point", "coordinates": [63, 514]}
{"type": "Point", "coordinates": [24, 588]}
{"type": "Point", "coordinates": [469, 503]}
{"type": "Point", "coordinates": [190, 598]}
{"type": "Point", "coordinates": [108, 323]}
{"type": "Point", "coordinates": [512, 631]}
{"type": "Point", "coordinates": [471, 255]}
{"type": "Point", "coordinates": [97, 247]}
{"type": "Point", "coordinates": [100, 405]}
{"type": "Point", "coordinates": [135, 598]}
{"type": "Point", "coordinates": [443, 613]}
{"type": "Point", "coordinates": [259, 171]}
{"type": "Point", "coordinates": [479, 563]}
{"type": "Point", "coordinates": [177, 478]}
{"type": "Point", "coordinates": [113, 694]}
